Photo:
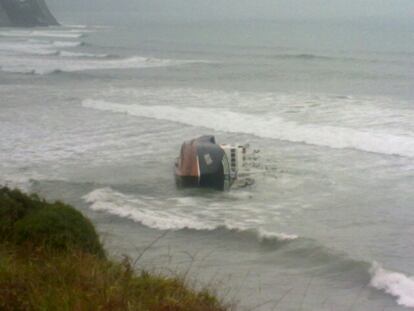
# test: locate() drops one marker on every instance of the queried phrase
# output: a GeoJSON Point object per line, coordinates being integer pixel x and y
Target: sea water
{"type": "Point", "coordinates": [95, 115]}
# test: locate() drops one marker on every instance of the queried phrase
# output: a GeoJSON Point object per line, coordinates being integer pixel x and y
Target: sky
{"type": "Point", "coordinates": [241, 9]}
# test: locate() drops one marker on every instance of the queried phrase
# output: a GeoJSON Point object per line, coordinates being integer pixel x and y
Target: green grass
{"type": "Point", "coordinates": [51, 259]}
{"type": "Point", "coordinates": [80, 281]}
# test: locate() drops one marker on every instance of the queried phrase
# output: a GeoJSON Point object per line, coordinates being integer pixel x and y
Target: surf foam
{"type": "Point", "coordinates": [153, 214]}
{"type": "Point", "coordinates": [139, 210]}
{"type": "Point", "coordinates": [37, 47]}
{"type": "Point", "coordinates": [84, 55]}
{"type": "Point", "coordinates": [33, 48]}
{"type": "Point", "coordinates": [393, 283]}
{"type": "Point", "coordinates": [67, 44]}
{"type": "Point", "coordinates": [69, 34]}
{"type": "Point", "coordinates": [70, 64]}
{"type": "Point", "coordinates": [274, 127]}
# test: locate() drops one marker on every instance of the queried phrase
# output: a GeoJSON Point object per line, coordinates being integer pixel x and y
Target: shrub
{"type": "Point", "coordinates": [29, 220]}
{"type": "Point", "coordinates": [62, 271]}
{"type": "Point", "coordinates": [14, 205]}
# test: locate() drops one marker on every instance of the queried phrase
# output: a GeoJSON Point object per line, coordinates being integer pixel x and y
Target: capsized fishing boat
{"type": "Point", "coordinates": [204, 163]}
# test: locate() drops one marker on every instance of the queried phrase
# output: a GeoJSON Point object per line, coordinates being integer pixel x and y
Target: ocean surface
{"type": "Point", "coordinates": [95, 115]}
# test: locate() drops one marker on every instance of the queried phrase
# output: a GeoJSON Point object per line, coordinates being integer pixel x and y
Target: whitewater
{"type": "Point", "coordinates": [95, 116]}
{"type": "Point", "coordinates": [274, 127]}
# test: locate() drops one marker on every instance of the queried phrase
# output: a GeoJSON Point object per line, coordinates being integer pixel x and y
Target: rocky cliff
{"type": "Point", "coordinates": [25, 13]}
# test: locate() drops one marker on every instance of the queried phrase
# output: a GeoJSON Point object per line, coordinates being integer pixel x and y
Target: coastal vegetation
{"type": "Point", "coordinates": [51, 259]}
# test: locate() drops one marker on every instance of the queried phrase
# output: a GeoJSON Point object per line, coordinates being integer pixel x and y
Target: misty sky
{"type": "Point", "coordinates": [237, 9]}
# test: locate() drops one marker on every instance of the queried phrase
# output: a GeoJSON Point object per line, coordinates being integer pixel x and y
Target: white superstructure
{"type": "Point", "coordinates": [239, 160]}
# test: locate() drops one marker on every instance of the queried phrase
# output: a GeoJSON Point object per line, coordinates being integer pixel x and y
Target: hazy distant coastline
{"type": "Point", "coordinates": [27, 13]}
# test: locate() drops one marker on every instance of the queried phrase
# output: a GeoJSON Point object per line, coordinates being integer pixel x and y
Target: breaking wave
{"type": "Point", "coordinates": [67, 44]}
{"type": "Point", "coordinates": [30, 48]}
{"type": "Point", "coordinates": [43, 66]}
{"type": "Point", "coordinates": [145, 211]}
{"type": "Point", "coordinates": [85, 55]}
{"type": "Point", "coordinates": [393, 283]}
{"type": "Point", "coordinates": [42, 34]}
{"type": "Point", "coordinates": [76, 26]}
{"type": "Point", "coordinates": [299, 251]}
{"type": "Point", "coordinates": [37, 47]}
{"type": "Point", "coordinates": [44, 51]}
{"type": "Point", "coordinates": [337, 137]}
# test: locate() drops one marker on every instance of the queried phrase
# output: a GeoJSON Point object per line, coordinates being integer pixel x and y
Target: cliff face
{"type": "Point", "coordinates": [25, 13]}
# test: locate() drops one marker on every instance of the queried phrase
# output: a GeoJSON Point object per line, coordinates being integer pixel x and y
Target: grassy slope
{"type": "Point", "coordinates": [43, 268]}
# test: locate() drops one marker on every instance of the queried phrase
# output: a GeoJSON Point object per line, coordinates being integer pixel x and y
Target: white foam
{"type": "Point", "coordinates": [66, 44]}
{"type": "Point", "coordinates": [369, 140]}
{"type": "Point", "coordinates": [45, 66]}
{"type": "Point", "coordinates": [54, 43]}
{"type": "Point", "coordinates": [264, 234]}
{"type": "Point", "coordinates": [154, 214]}
{"type": "Point", "coordinates": [394, 283]}
{"type": "Point", "coordinates": [69, 34]}
{"type": "Point", "coordinates": [34, 48]}
{"type": "Point", "coordinates": [82, 28]}
{"type": "Point", "coordinates": [85, 55]}
{"type": "Point", "coordinates": [76, 26]}
{"type": "Point", "coordinates": [362, 112]}
{"type": "Point", "coordinates": [118, 204]}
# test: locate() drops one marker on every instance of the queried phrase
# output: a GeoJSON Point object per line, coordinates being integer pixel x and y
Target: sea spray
{"type": "Point", "coordinates": [393, 283]}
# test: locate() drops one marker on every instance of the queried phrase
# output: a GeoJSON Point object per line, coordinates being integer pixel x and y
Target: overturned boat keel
{"type": "Point", "coordinates": [206, 164]}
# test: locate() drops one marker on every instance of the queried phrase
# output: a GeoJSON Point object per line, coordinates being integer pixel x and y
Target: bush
{"type": "Point", "coordinates": [60, 227]}
{"type": "Point", "coordinates": [15, 205]}
{"type": "Point", "coordinates": [62, 271]}
{"type": "Point", "coordinates": [29, 220]}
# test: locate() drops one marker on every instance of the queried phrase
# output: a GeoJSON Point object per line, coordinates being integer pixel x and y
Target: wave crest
{"type": "Point", "coordinates": [393, 283]}
{"type": "Point", "coordinates": [42, 34]}
{"type": "Point", "coordinates": [269, 127]}
{"type": "Point", "coordinates": [82, 62]}
{"type": "Point", "coordinates": [115, 203]}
